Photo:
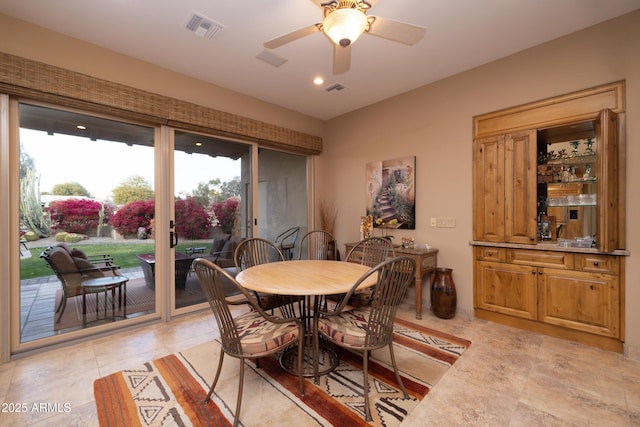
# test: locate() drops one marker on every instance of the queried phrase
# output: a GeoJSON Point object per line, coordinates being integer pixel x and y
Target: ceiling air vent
{"type": "Point", "coordinates": [336, 87]}
{"type": "Point", "coordinates": [202, 26]}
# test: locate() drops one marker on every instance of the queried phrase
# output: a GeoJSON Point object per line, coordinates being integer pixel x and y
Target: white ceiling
{"type": "Point", "coordinates": [460, 35]}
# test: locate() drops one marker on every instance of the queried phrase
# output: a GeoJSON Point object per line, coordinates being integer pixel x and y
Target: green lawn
{"type": "Point", "coordinates": [123, 253]}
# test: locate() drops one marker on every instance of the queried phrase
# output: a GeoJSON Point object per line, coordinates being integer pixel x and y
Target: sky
{"type": "Point", "coordinates": [99, 166]}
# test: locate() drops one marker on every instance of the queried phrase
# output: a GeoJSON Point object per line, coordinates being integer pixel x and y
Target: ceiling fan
{"type": "Point", "coordinates": [343, 22]}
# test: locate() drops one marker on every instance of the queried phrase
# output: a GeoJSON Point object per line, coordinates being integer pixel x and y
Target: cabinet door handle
{"type": "Point", "coordinates": [595, 263]}
{"type": "Point", "coordinates": [490, 253]}
{"type": "Point", "coordinates": [540, 273]}
{"type": "Point", "coordinates": [533, 272]}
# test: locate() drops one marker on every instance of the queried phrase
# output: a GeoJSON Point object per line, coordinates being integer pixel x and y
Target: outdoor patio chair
{"type": "Point", "coordinates": [286, 241]}
{"type": "Point", "coordinates": [368, 328]}
{"type": "Point", "coordinates": [253, 334]}
{"type": "Point", "coordinates": [73, 270]}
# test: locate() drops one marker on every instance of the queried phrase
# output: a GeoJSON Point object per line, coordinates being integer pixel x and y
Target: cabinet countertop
{"type": "Point", "coordinates": [550, 246]}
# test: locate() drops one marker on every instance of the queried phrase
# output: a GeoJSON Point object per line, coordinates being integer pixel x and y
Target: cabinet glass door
{"type": "Point", "coordinates": [567, 184]}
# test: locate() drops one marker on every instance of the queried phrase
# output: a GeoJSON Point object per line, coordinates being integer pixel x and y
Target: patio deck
{"type": "Point", "coordinates": [37, 305]}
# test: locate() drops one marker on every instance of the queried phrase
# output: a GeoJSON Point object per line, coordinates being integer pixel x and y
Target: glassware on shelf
{"type": "Point", "coordinates": [575, 145]}
{"type": "Point", "coordinates": [572, 173]}
{"type": "Point", "coordinates": [589, 149]}
{"type": "Point", "coordinates": [587, 171]}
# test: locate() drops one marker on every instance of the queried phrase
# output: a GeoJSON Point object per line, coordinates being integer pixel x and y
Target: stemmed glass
{"type": "Point", "coordinates": [574, 144]}
{"type": "Point", "coordinates": [589, 149]}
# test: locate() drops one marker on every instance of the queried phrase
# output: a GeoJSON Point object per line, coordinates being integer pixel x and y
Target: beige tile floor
{"type": "Point", "coordinates": [508, 377]}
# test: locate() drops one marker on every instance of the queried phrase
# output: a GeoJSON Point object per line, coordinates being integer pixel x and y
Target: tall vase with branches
{"type": "Point", "coordinates": [327, 215]}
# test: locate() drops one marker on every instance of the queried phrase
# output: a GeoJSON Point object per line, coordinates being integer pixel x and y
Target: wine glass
{"type": "Point", "coordinates": [589, 149]}
{"type": "Point", "coordinates": [575, 145]}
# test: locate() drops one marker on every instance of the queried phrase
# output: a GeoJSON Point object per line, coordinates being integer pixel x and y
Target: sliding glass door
{"type": "Point", "coordinates": [86, 211]}
{"type": "Point", "coordinates": [212, 187]}
{"type": "Point", "coordinates": [100, 198]}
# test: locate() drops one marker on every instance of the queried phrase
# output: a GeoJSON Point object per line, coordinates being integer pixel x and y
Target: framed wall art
{"type": "Point", "coordinates": [391, 193]}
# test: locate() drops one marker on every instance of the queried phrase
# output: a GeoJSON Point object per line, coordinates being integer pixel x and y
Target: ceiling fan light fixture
{"type": "Point", "coordinates": [344, 26]}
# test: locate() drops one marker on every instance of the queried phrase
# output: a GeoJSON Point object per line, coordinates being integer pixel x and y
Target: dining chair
{"type": "Point", "coordinates": [370, 252]}
{"type": "Point", "coordinates": [320, 245]}
{"type": "Point", "coordinates": [253, 334]}
{"type": "Point", "coordinates": [368, 328]}
{"type": "Point", "coordinates": [256, 251]}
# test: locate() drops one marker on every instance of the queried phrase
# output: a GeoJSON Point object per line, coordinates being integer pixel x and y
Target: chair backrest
{"type": "Point", "coordinates": [211, 277]}
{"type": "Point", "coordinates": [287, 239]}
{"type": "Point", "coordinates": [256, 251]}
{"type": "Point", "coordinates": [394, 276]}
{"type": "Point", "coordinates": [371, 251]}
{"type": "Point", "coordinates": [70, 271]}
{"type": "Point", "coordinates": [320, 245]}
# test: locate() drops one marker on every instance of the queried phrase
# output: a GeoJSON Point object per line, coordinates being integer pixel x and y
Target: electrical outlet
{"type": "Point", "coordinates": [446, 222]}
{"type": "Point", "coordinates": [434, 222]}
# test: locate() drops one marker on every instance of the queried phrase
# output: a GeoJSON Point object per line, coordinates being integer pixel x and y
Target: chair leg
{"type": "Point", "coordinates": [300, 358]}
{"type": "Point", "coordinates": [395, 369]}
{"type": "Point", "coordinates": [239, 399]}
{"type": "Point", "coordinates": [215, 380]}
{"type": "Point", "coordinates": [365, 370]}
{"type": "Point", "coordinates": [61, 307]}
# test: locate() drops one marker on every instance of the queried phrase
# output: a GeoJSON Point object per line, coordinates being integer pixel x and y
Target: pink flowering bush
{"type": "Point", "coordinates": [76, 215]}
{"type": "Point", "coordinates": [132, 216]}
{"type": "Point", "coordinates": [226, 213]}
{"type": "Point", "coordinates": [192, 220]}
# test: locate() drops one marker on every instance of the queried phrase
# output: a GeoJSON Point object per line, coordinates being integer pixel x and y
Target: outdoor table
{"type": "Point", "coordinates": [183, 266]}
{"type": "Point", "coordinates": [105, 284]}
{"type": "Point", "coordinates": [311, 279]}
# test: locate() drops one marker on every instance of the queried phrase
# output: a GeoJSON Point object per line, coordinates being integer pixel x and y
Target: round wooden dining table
{"type": "Point", "coordinates": [310, 279]}
{"type": "Point", "coordinates": [304, 277]}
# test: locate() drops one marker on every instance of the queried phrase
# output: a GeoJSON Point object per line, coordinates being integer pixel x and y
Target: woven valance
{"type": "Point", "coordinates": [42, 82]}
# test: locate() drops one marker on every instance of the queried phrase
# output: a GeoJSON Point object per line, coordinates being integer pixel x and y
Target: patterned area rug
{"type": "Point", "coordinates": [170, 390]}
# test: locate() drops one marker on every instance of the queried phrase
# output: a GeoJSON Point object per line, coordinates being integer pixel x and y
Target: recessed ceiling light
{"type": "Point", "coordinates": [318, 81]}
{"type": "Point", "coordinates": [81, 127]}
{"type": "Point", "coordinates": [198, 144]}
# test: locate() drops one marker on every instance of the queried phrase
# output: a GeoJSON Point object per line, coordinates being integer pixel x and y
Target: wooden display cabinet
{"type": "Point", "coordinates": [549, 216]}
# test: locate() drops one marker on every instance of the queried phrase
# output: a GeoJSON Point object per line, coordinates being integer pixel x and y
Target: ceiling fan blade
{"type": "Point", "coordinates": [341, 59]}
{"type": "Point", "coordinates": [292, 36]}
{"type": "Point", "coordinates": [397, 31]}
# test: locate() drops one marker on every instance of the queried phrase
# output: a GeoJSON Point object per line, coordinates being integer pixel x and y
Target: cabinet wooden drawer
{"type": "Point", "coordinates": [597, 263]}
{"type": "Point", "coordinates": [541, 258]}
{"type": "Point", "coordinates": [491, 254]}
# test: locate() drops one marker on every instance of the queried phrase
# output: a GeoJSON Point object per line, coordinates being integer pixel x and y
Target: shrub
{"type": "Point", "coordinates": [30, 236]}
{"type": "Point", "coordinates": [61, 236]}
{"type": "Point", "coordinates": [132, 216]}
{"type": "Point", "coordinates": [73, 238]}
{"type": "Point", "coordinates": [226, 213]}
{"type": "Point", "coordinates": [192, 220]}
{"type": "Point", "coordinates": [75, 215]}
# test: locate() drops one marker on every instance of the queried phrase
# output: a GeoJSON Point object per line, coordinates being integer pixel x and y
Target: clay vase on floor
{"type": "Point", "coordinates": [443, 294]}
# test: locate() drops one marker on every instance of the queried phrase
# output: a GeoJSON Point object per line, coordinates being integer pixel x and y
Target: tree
{"type": "Point", "coordinates": [132, 189]}
{"type": "Point", "coordinates": [231, 188]}
{"type": "Point", "coordinates": [26, 163]}
{"type": "Point", "coordinates": [205, 192]}
{"type": "Point", "coordinates": [70, 189]}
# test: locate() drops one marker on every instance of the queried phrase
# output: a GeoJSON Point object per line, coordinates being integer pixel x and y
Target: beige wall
{"type": "Point", "coordinates": [434, 123]}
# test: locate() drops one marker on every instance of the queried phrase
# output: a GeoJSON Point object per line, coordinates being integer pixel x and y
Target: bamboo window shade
{"type": "Point", "coordinates": [47, 83]}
